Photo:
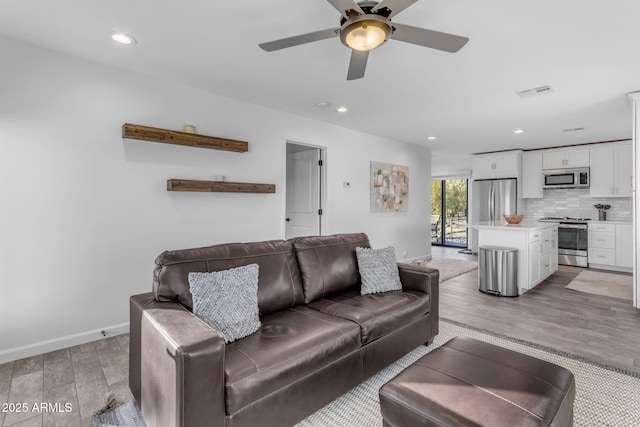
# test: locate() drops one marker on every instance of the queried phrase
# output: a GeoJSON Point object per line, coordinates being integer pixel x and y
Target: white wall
{"type": "Point", "coordinates": [450, 163]}
{"type": "Point", "coordinates": [83, 213]}
{"type": "Point", "coordinates": [634, 100]}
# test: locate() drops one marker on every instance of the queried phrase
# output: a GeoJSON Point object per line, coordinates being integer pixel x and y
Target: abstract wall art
{"type": "Point", "coordinates": [389, 187]}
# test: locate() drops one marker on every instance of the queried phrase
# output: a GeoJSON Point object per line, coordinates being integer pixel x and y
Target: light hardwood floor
{"type": "Point", "coordinates": [600, 328]}
{"type": "Point", "coordinates": [80, 376]}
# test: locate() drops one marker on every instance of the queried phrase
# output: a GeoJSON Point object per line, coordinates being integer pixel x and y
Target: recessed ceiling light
{"type": "Point", "coordinates": [342, 110]}
{"type": "Point", "coordinates": [518, 131]}
{"type": "Point", "coordinates": [322, 104]}
{"type": "Point", "coordinates": [431, 137]}
{"type": "Point", "coordinates": [123, 38]}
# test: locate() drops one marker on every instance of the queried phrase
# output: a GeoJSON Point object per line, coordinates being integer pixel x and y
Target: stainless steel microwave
{"type": "Point", "coordinates": [566, 178]}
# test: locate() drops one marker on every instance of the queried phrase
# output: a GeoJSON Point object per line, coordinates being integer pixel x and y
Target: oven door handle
{"type": "Point", "coordinates": [580, 227]}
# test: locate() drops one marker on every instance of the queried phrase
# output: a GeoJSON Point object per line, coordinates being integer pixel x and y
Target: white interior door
{"type": "Point", "coordinates": [303, 193]}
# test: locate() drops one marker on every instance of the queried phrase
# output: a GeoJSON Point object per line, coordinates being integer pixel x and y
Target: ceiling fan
{"type": "Point", "coordinates": [366, 25]}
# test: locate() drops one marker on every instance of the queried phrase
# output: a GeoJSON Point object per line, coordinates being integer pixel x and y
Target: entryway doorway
{"type": "Point", "coordinates": [304, 190]}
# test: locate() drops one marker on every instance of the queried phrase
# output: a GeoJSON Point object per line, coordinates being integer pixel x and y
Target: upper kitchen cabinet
{"type": "Point", "coordinates": [562, 158]}
{"type": "Point", "coordinates": [496, 165]}
{"type": "Point", "coordinates": [623, 168]}
{"type": "Point", "coordinates": [532, 175]}
{"type": "Point", "coordinates": [611, 171]}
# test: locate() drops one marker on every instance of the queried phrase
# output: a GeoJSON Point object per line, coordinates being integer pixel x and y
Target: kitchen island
{"type": "Point", "coordinates": [536, 242]}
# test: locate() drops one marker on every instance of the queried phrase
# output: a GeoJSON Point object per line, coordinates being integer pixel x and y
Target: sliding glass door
{"type": "Point", "coordinates": [436, 212]}
{"type": "Point", "coordinates": [449, 207]}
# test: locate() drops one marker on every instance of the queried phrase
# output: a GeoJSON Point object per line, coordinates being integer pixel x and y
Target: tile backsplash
{"type": "Point", "coordinates": [576, 202]}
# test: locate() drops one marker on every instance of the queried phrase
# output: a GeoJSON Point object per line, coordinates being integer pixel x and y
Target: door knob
{"type": "Point", "coordinates": [287, 219]}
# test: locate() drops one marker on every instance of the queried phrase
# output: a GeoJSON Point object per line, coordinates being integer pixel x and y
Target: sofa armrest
{"type": "Point", "coordinates": [417, 278]}
{"type": "Point", "coordinates": [423, 279]}
{"type": "Point", "coordinates": [181, 368]}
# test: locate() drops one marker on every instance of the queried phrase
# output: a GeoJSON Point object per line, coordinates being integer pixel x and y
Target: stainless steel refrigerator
{"type": "Point", "coordinates": [490, 198]}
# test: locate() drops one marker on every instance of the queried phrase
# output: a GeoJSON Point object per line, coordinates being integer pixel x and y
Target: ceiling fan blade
{"type": "Point", "coordinates": [429, 38]}
{"type": "Point", "coordinates": [300, 39]}
{"type": "Point", "coordinates": [358, 64]}
{"type": "Point", "coordinates": [395, 6]}
{"type": "Point", "coordinates": [345, 5]}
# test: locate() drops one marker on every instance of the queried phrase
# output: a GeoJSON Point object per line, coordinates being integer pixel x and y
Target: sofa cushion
{"type": "Point", "coordinates": [279, 285]}
{"type": "Point", "coordinates": [290, 345]}
{"type": "Point", "coordinates": [377, 314]}
{"type": "Point", "coordinates": [328, 264]}
{"type": "Point", "coordinates": [378, 270]}
{"type": "Point", "coordinates": [227, 300]}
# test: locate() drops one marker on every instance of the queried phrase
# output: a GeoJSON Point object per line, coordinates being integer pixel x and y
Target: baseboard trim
{"type": "Point", "coordinates": [62, 342]}
{"type": "Point", "coordinates": [605, 268]}
{"type": "Point", "coordinates": [418, 258]}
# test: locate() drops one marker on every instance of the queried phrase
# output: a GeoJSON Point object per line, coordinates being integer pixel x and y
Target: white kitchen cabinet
{"type": "Point", "coordinates": [562, 158]}
{"type": "Point", "coordinates": [601, 171]}
{"type": "Point", "coordinates": [536, 242]}
{"type": "Point", "coordinates": [611, 170]}
{"type": "Point", "coordinates": [496, 165]}
{"type": "Point", "coordinates": [611, 246]}
{"type": "Point", "coordinates": [602, 245]}
{"type": "Point", "coordinates": [603, 240]}
{"type": "Point", "coordinates": [543, 255]}
{"type": "Point", "coordinates": [545, 264]}
{"type": "Point", "coordinates": [554, 250]}
{"type": "Point", "coordinates": [553, 159]}
{"type": "Point", "coordinates": [624, 245]}
{"type": "Point", "coordinates": [602, 227]}
{"type": "Point", "coordinates": [535, 251]}
{"type": "Point", "coordinates": [602, 258]}
{"type": "Point", "coordinates": [622, 169]}
{"type": "Point", "coordinates": [532, 175]}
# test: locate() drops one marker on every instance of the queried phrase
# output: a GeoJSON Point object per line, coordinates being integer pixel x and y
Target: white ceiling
{"type": "Point", "coordinates": [587, 50]}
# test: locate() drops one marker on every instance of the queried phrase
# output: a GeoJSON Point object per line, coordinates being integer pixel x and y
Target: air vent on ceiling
{"type": "Point", "coordinates": [535, 91]}
{"type": "Point", "coordinates": [572, 130]}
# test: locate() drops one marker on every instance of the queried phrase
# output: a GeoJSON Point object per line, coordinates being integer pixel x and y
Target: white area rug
{"type": "Point", "coordinates": [607, 284]}
{"type": "Point", "coordinates": [605, 396]}
{"type": "Point", "coordinates": [450, 267]}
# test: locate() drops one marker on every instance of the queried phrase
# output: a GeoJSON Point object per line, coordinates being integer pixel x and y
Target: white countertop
{"type": "Point", "coordinates": [523, 226]}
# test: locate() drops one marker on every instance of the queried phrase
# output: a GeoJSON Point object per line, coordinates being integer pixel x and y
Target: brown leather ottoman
{"type": "Point", "coordinates": [467, 382]}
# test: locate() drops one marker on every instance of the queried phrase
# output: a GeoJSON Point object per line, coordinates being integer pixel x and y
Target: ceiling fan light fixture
{"type": "Point", "coordinates": [365, 33]}
{"type": "Point", "coordinates": [365, 25]}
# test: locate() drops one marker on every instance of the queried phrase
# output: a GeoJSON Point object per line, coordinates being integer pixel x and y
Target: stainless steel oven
{"type": "Point", "coordinates": [572, 244]}
{"type": "Point", "coordinates": [572, 240]}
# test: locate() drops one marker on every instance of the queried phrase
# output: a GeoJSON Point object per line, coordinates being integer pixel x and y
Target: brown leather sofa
{"type": "Point", "coordinates": [319, 336]}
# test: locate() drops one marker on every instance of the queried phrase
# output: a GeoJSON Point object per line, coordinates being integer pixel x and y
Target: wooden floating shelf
{"type": "Point", "coordinates": [147, 133]}
{"type": "Point", "coordinates": [218, 186]}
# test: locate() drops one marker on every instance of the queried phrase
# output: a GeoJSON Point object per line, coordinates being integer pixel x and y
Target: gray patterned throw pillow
{"type": "Point", "coordinates": [378, 270]}
{"type": "Point", "coordinates": [227, 300]}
